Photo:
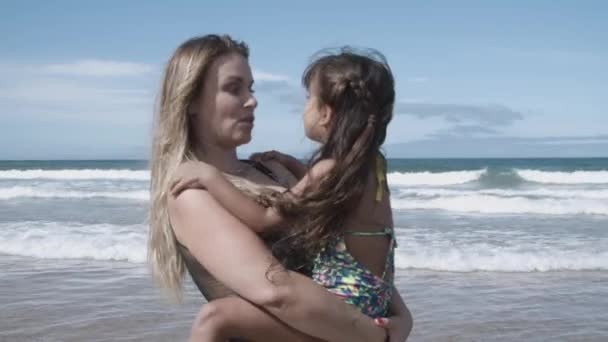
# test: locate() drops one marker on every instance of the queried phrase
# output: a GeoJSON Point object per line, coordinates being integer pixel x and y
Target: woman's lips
{"type": "Point", "coordinates": [247, 121]}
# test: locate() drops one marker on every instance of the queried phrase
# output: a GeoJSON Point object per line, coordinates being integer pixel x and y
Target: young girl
{"type": "Point", "coordinates": [339, 211]}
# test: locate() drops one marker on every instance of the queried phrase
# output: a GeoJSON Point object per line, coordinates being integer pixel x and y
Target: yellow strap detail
{"type": "Point", "coordinates": [380, 178]}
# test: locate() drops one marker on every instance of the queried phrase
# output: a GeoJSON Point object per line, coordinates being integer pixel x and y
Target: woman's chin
{"type": "Point", "coordinates": [243, 138]}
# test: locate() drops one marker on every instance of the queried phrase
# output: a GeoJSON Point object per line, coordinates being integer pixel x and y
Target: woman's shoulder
{"type": "Point", "coordinates": [193, 210]}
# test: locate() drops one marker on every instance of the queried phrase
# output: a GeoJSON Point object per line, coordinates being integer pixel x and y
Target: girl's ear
{"type": "Point", "coordinates": [326, 116]}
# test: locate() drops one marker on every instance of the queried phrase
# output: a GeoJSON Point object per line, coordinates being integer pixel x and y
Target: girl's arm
{"type": "Point", "coordinates": [237, 257]}
{"type": "Point", "coordinates": [254, 215]}
{"type": "Point", "coordinates": [316, 172]}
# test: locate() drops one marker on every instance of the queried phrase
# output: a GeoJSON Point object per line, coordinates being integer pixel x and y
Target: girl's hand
{"type": "Point", "coordinates": [191, 175]}
{"type": "Point", "coordinates": [397, 327]}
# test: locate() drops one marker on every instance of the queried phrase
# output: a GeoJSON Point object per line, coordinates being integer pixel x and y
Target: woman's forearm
{"type": "Point", "coordinates": [312, 309]}
{"type": "Point", "coordinates": [399, 308]}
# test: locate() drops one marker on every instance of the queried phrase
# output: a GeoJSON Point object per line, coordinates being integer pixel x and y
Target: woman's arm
{"type": "Point", "coordinates": [293, 165]}
{"type": "Point", "coordinates": [238, 258]}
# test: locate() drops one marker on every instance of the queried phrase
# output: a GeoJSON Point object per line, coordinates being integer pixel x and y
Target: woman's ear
{"type": "Point", "coordinates": [193, 107]}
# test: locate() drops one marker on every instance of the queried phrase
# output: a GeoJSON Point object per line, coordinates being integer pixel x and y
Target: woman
{"type": "Point", "coordinates": [205, 111]}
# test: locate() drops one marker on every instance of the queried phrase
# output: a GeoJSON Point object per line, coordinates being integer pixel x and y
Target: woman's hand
{"type": "Point", "coordinates": [398, 328]}
{"type": "Point", "coordinates": [193, 174]}
{"type": "Point", "coordinates": [272, 155]}
{"type": "Point", "coordinates": [289, 162]}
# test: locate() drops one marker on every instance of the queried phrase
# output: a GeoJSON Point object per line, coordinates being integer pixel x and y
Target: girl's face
{"type": "Point", "coordinates": [223, 112]}
{"type": "Point", "coordinates": [316, 116]}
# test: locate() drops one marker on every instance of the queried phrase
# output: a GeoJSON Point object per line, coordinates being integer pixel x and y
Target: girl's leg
{"type": "Point", "coordinates": [234, 317]}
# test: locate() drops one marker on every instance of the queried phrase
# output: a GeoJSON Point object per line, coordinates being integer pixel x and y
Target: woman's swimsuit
{"type": "Point", "coordinates": [338, 271]}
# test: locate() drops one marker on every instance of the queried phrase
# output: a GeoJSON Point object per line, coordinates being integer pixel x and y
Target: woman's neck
{"type": "Point", "coordinates": [224, 159]}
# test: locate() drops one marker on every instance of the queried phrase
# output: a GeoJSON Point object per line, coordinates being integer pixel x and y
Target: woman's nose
{"type": "Point", "coordinates": [251, 102]}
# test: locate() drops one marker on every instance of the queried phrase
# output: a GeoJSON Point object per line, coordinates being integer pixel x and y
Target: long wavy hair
{"type": "Point", "coordinates": [358, 87]}
{"type": "Point", "coordinates": [174, 142]}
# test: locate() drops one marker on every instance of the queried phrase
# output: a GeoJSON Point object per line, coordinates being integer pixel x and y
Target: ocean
{"type": "Point", "coordinates": [488, 250]}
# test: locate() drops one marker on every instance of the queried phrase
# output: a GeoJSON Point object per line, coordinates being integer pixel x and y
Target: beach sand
{"type": "Point", "coordinates": [80, 300]}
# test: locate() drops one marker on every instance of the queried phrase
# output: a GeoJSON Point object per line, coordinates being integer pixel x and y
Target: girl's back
{"type": "Point", "coordinates": [358, 264]}
{"type": "Point", "coordinates": [373, 215]}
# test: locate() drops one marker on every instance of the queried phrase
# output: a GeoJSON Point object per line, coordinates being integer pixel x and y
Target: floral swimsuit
{"type": "Point", "coordinates": [338, 271]}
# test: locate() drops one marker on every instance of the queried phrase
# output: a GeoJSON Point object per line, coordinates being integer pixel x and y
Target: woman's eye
{"type": "Point", "coordinates": [251, 90]}
{"type": "Point", "coordinates": [233, 89]}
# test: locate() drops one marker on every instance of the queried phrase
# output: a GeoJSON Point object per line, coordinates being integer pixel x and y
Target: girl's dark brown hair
{"type": "Point", "coordinates": [359, 88]}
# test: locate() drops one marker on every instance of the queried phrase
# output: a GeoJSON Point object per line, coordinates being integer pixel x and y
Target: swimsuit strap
{"type": "Point", "coordinates": [262, 168]}
{"type": "Point", "coordinates": [380, 176]}
{"type": "Point", "coordinates": [387, 231]}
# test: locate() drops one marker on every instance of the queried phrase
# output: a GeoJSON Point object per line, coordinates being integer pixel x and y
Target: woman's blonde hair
{"type": "Point", "coordinates": [174, 142]}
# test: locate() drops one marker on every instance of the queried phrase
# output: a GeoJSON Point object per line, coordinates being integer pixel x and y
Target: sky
{"type": "Point", "coordinates": [78, 79]}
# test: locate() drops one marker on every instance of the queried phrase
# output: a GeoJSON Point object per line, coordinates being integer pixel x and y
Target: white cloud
{"type": "Point", "coordinates": [261, 76]}
{"type": "Point", "coordinates": [99, 68]}
{"type": "Point", "coordinates": [59, 92]}
{"type": "Point", "coordinates": [500, 146]}
{"type": "Point", "coordinates": [49, 91]}
{"type": "Point", "coordinates": [489, 115]}
{"type": "Point", "coordinates": [91, 88]}
{"type": "Point", "coordinates": [575, 140]}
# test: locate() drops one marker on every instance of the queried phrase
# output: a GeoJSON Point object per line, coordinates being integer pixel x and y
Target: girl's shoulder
{"type": "Point", "coordinates": [322, 167]}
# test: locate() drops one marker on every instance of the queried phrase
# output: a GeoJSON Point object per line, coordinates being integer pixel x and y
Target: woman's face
{"type": "Point", "coordinates": [223, 112]}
